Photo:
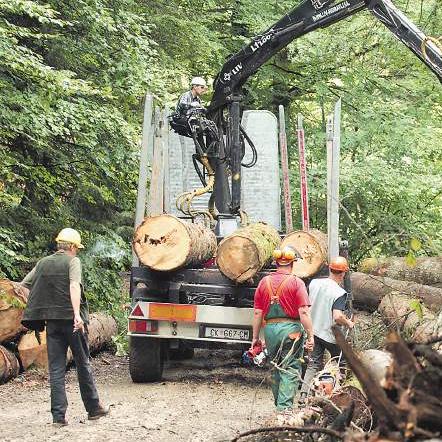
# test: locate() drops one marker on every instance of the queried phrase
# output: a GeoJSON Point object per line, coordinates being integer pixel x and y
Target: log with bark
{"type": "Point", "coordinates": [246, 251]}
{"type": "Point", "coordinates": [410, 316]}
{"type": "Point", "coordinates": [12, 303]}
{"type": "Point", "coordinates": [312, 246]}
{"type": "Point", "coordinates": [101, 328]}
{"type": "Point", "coordinates": [426, 270]}
{"type": "Point", "coordinates": [368, 290]}
{"type": "Point", "coordinates": [165, 243]}
{"type": "Point", "coordinates": [9, 366]}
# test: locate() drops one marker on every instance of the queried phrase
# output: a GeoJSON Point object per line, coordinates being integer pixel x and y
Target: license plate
{"type": "Point", "coordinates": [235, 334]}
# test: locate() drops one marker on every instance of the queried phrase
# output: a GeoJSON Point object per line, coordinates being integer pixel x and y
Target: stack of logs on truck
{"type": "Point", "coordinates": [402, 401]}
{"type": "Point", "coordinates": [21, 349]}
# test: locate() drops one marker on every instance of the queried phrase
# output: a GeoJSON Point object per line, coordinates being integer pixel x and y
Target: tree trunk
{"type": "Point", "coordinates": [368, 290]}
{"type": "Point", "coordinates": [165, 243]}
{"type": "Point", "coordinates": [417, 321]}
{"type": "Point", "coordinates": [12, 304]}
{"type": "Point", "coordinates": [101, 328]}
{"type": "Point", "coordinates": [312, 246]}
{"type": "Point", "coordinates": [426, 270]}
{"type": "Point", "coordinates": [9, 366]}
{"type": "Point", "coordinates": [246, 251]}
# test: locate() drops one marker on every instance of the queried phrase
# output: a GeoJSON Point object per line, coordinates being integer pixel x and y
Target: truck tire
{"type": "Point", "coordinates": [146, 359]}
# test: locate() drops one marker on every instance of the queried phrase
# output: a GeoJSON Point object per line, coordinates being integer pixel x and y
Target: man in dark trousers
{"type": "Point", "coordinates": [281, 300]}
{"type": "Point", "coordinates": [329, 301]}
{"type": "Point", "coordinates": [57, 302]}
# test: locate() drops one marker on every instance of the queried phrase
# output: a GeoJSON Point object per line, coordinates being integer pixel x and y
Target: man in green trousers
{"type": "Point", "coordinates": [281, 299]}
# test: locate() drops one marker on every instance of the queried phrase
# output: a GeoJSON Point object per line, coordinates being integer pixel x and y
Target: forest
{"type": "Point", "coordinates": [73, 76]}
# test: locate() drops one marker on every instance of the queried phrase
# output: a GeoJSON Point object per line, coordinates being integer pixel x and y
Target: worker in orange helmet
{"type": "Point", "coordinates": [282, 300]}
{"type": "Point", "coordinates": [328, 302]}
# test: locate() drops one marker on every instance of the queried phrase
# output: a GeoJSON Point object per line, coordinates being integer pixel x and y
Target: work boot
{"type": "Point", "coordinates": [97, 413]}
{"type": "Point", "coordinates": [59, 422]}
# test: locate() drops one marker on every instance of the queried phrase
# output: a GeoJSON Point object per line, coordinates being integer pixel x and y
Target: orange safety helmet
{"type": "Point", "coordinates": [286, 255]}
{"type": "Point", "coordinates": [339, 264]}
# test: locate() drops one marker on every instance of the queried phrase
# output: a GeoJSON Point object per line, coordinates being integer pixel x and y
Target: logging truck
{"type": "Point", "coordinates": [191, 302]}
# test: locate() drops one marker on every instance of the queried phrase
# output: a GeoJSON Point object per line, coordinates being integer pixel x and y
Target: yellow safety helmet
{"type": "Point", "coordinates": [285, 255]}
{"type": "Point", "coordinates": [71, 236]}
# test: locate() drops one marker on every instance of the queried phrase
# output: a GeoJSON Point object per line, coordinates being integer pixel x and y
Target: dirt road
{"type": "Point", "coordinates": [208, 398]}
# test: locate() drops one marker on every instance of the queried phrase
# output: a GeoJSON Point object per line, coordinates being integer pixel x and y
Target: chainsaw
{"type": "Point", "coordinates": [257, 355]}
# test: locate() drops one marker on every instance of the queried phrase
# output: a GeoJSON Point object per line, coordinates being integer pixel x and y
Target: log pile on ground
{"type": "Point", "coordinates": [21, 349]}
{"type": "Point", "coordinates": [165, 243]}
{"type": "Point", "coordinates": [368, 290]}
{"type": "Point", "coordinates": [246, 251]}
{"type": "Point", "coordinates": [312, 246]}
{"type": "Point", "coordinates": [426, 270]}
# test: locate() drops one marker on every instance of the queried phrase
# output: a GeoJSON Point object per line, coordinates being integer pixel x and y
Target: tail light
{"type": "Point", "coordinates": [143, 326]}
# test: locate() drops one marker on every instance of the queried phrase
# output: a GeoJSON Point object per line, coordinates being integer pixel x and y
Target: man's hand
{"type": "Point", "coordinates": [310, 343]}
{"type": "Point", "coordinates": [255, 342]}
{"type": "Point", "coordinates": [78, 324]}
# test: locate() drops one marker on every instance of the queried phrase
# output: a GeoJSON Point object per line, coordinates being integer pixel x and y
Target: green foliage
{"type": "Point", "coordinates": [416, 305]}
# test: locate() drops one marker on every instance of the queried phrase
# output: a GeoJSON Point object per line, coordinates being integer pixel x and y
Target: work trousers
{"type": "Point", "coordinates": [316, 361]}
{"type": "Point", "coordinates": [287, 352]}
{"type": "Point", "coordinates": [60, 336]}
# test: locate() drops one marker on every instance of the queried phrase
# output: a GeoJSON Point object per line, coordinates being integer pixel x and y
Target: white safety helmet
{"type": "Point", "coordinates": [198, 81]}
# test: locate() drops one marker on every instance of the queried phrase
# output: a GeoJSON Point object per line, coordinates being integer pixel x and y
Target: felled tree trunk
{"type": "Point", "coordinates": [246, 251]}
{"type": "Point", "coordinates": [368, 290]}
{"type": "Point", "coordinates": [12, 304]}
{"type": "Point", "coordinates": [426, 270]}
{"type": "Point", "coordinates": [416, 321]}
{"type": "Point", "coordinates": [166, 243]}
{"type": "Point", "coordinates": [312, 246]}
{"type": "Point", "coordinates": [101, 328]}
{"type": "Point", "coordinates": [9, 366]}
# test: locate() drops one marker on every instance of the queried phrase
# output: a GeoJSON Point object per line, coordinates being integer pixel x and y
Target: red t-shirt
{"type": "Point", "coordinates": [292, 296]}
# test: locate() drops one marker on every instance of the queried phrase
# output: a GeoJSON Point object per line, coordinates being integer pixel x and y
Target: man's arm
{"type": "Point", "coordinates": [75, 292]}
{"type": "Point", "coordinates": [306, 321]}
{"type": "Point", "coordinates": [257, 321]}
{"type": "Point", "coordinates": [341, 319]}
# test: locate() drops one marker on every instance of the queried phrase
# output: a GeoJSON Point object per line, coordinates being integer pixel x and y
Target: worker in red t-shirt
{"type": "Point", "coordinates": [281, 299]}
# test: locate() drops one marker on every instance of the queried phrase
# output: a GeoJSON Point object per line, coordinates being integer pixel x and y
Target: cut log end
{"type": "Point", "coordinates": [243, 253]}
{"type": "Point", "coordinates": [312, 246]}
{"type": "Point", "coordinates": [162, 242]}
{"type": "Point", "coordinates": [9, 366]}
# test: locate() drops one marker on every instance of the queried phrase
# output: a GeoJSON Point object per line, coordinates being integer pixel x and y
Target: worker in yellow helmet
{"type": "Point", "coordinates": [281, 299]}
{"type": "Point", "coordinates": [56, 301]}
{"type": "Point", "coordinates": [329, 301]}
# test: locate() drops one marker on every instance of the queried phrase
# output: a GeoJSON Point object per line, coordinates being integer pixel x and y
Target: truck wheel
{"type": "Point", "coordinates": [181, 353]}
{"type": "Point", "coordinates": [146, 359]}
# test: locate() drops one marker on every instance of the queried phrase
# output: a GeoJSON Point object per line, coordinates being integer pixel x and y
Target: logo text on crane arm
{"type": "Point", "coordinates": [330, 11]}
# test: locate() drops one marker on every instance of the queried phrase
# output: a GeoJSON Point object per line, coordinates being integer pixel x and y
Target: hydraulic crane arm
{"type": "Point", "coordinates": [309, 16]}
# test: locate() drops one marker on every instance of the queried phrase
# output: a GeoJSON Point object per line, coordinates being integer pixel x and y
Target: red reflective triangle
{"type": "Point", "coordinates": [137, 311]}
